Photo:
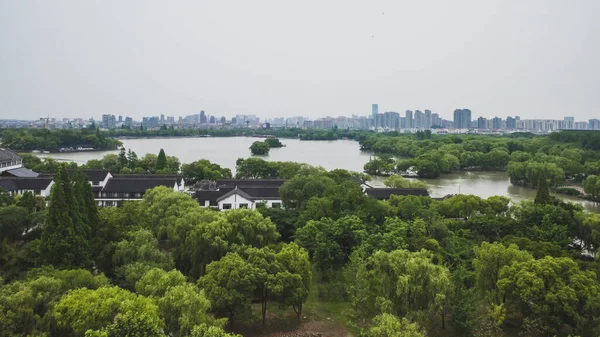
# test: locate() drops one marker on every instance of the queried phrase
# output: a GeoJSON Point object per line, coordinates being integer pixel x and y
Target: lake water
{"type": "Point", "coordinates": [344, 154]}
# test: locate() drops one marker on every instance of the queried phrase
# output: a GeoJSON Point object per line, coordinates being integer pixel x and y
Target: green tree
{"type": "Point", "coordinates": [259, 148]}
{"type": "Point", "coordinates": [205, 330]}
{"type": "Point", "coordinates": [543, 295]}
{"type": "Point", "coordinates": [156, 282]}
{"type": "Point", "coordinates": [295, 278]}
{"type": "Point", "coordinates": [63, 245]}
{"type": "Point", "coordinates": [229, 284]}
{"type": "Point", "coordinates": [542, 196]}
{"type": "Point", "coordinates": [183, 307]}
{"type": "Point", "coordinates": [592, 186]}
{"type": "Point", "coordinates": [85, 309]}
{"type": "Point", "coordinates": [388, 325]}
{"type": "Point", "coordinates": [397, 181]}
{"type": "Point", "coordinates": [123, 158]}
{"type": "Point", "coordinates": [489, 260]}
{"type": "Point", "coordinates": [273, 142]}
{"type": "Point", "coordinates": [161, 161]}
{"type": "Point", "coordinates": [203, 170]}
{"type": "Point", "coordinates": [265, 268]}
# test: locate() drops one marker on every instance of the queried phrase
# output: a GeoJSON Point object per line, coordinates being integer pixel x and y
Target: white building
{"type": "Point", "coordinates": [240, 193]}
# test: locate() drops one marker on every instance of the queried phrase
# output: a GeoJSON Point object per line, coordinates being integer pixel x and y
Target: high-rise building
{"type": "Point", "coordinates": [511, 123]}
{"type": "Point", "coordinates": [419, 119]}
{"type": "Point", "coordinates": [462, 119]}
{"type": "Point", "coordinates": [391, 120]}
{"type": "Point", "coordinates": [435, 120]}
{"type": "Point", "coordinates": [120, 119]}
{"type": "Point", "coordinates": [497, 123]}
{"type": "Point", "coordinates": [108, 121]}
{"type": "Point", "coordinates": [202, 117]}
{"type": "Point", "coordinates": [374, 112]}
{"type": "Point", "coordinates": [428, 119]}
{"type": "Point", "coordinates": [594, 124]}
{"type": "Point", "coordinates": [481, 123]}
{"type": "Point", "coordinates": [212, 120]}
{"type": "Point", "coordinates": [409, 119]}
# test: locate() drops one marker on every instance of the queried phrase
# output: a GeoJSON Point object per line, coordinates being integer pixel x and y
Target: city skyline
{"type": "Point", "coordinates": [68, 59]}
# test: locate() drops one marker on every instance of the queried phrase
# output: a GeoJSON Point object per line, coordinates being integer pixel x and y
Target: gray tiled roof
{"type": "Point", "coordinates": [8, 155]}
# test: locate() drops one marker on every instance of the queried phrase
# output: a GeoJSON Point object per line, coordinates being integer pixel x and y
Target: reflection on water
{"type": "Point", "coordinates": [344, 154]}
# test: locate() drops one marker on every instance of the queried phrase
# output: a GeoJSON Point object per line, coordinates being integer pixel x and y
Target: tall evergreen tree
{"type": "Point", "coordinates": [161, 161]}
{"type": "Point", "coordinates": [132, 159]}
{"type": "Point", "coordinates": [542, 196]}
{"type": "Point", "coordinates": [62, 243]}
{"type": "Point", "coordinates": [122, 158]}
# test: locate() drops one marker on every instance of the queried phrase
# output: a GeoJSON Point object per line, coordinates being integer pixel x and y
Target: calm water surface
{"type": "Point", "coordinates": [344, 154]}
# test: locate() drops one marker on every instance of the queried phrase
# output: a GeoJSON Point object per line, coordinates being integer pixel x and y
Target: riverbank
{"type": "Point", "coordinates": [342, 154]}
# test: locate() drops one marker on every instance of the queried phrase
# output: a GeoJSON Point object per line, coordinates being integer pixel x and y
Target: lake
{"type": "Point", "coordinates": [344, 154]}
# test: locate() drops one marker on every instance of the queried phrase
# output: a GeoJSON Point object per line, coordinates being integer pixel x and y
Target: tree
{"type": "Point", "coordinates": [226, 232]}
{"type": "Point", "coordinates": [295, 278]}
{"type": "Point", "coordinates": [259, 148]}
{"type": "Point", "coordinates": [122, 158]}
{"type": "Point", "coordinates": [592, 186]}
{"type": "Point", "coordinates": [156, 282]}
{"type": "Point", "coordinates": [204, 330]}
{"type": "Point", "coordinates": [183, 307]}
{"type": "Point", "coordinates": [85, 309]}
{"type": "Point", "coordinates": [489, 260]}
{"type": "Point", "coordinates": [229, 284]}
{"type": "Point", "coordinates": [542, 196]}
{"type": "Point", "coordinates": [14, 223]}
{"type": "Point", "coordinates": [138, 254]}
{"type": "Point", "coordinates": [273, 142]}
{"type": "Point", "coordinates": [265, 268]}
{"type": "Point", "coordinates": [161, 161]}
{"type": "Point", "coordinates": [63, 245]}
{"type": "Point", "coordinates": [132, 159]}
{"type": "Point", "coordinates": [401, 282]}
{"type": "Point", "coordinates": [388, 325]}
{"type": "Point", "coordinates": [203, 170]}
{"type": "Point", "coordinates": [397, 181]}
{"type": "Point", "coordinates": [543, 295]}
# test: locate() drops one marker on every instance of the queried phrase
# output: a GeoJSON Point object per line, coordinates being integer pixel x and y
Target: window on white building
{"type": "Point", "coordinates": [226, 206]}
{"type": "Point", "coordinates": [243, 205]}
{"type": "Point", "coordinates": [276, 205]}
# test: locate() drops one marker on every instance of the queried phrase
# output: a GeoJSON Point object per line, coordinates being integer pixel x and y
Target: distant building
{"type": "Point", "coordinates": [409, 119]}
{"type": "Point", "coordinates": [374, 112]}
{"type": "Point", "coordinates": [481, 123]}
{"type": "Point", "coordinates": [462, 119]}
{"type": "Point", "coordinates": [435, 120]}
{"type": "Point", "coordinates": [497, 123]}
{"type": "Point", "coordinates": [511, 123]}
{"type": "Point", "coordinates": [108, 121]}
{"type": "Point", "coordinates": [594, 124]}
{"type": "Point", "coordinates": [428, 119]}
{"type": "Point", "coordinates": [419, 119]}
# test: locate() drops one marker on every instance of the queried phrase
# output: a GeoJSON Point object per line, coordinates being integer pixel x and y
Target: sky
{"type": "Point", "coordinates": [74, 58]}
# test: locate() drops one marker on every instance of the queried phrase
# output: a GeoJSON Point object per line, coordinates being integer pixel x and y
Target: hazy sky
{"type": "Point", "coordinates": [82, 58]}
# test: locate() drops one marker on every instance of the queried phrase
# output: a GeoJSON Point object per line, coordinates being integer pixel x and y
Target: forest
{"type": "Point", "coordinates": [54, 140]}
{"type": "Point", "coordinates": [564, 158]}
{"type": "Point", "coordinates": [408, 266]}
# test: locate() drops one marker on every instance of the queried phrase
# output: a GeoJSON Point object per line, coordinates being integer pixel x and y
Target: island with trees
{"type": "Point", "coordinates": [331, 257]}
